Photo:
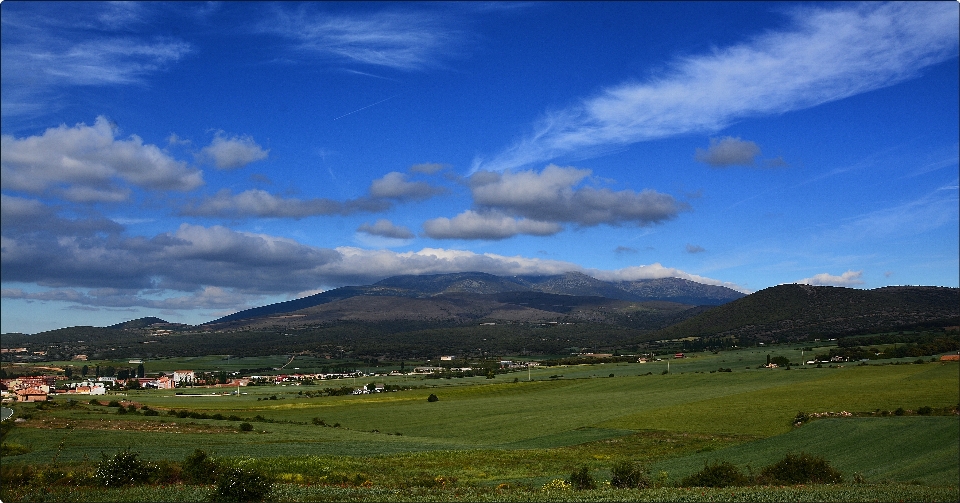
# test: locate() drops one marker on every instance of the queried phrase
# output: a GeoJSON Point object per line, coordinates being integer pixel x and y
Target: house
{"type": "Point", "coordinates": [678, 355]}
{"type": "Point", "coordinates": [31, 395]}
{"type": "Point", "coordinates": [183, 377]}
{"type": "Point", "coordinates": [950, 358]}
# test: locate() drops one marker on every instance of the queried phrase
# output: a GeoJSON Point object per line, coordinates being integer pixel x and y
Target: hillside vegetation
{"type": "Point", "coordinates": [796, 312]}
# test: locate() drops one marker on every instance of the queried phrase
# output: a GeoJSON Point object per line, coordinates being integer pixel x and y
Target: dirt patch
{"type": "Point", "coordinates": [120, 425]}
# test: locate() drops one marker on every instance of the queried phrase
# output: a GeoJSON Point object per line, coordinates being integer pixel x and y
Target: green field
{"type": "Point", "coordinates": [524, 429]}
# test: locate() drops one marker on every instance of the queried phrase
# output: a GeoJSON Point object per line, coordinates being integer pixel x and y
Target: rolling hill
{"type": "Point", "coordinates": [794, 312]}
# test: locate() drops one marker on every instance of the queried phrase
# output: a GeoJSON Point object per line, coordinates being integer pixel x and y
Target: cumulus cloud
{"type": "Point", "coordinates": [20, 215]}
{"type": "Point", "coordinates": [90, 164]}
{"type": "Point", "coordinates": [232, 153]}
{"type": "Point", "coordinates": [386, 228]}
{"type": "Point", "coordinates": [826, 54]}
{"type": "Point", "coordinates": [394, 185]}
{"type": "Point", "coordinates": [216, 267]}
{"type": "Point", "coordinates": [847, 279]}
{"type": "Point", "coordinates": [486, 225]}
{"type": "Point", "coordinates": [695, 248]}
{"type": "Point", "coordinates": [554, 195]}
{"type": "Point", "coordinates": [428, 168]}
{"type": "Point", "coordinates": [728, 151]}
{"type": "Point", "coordinates": [262, 204]}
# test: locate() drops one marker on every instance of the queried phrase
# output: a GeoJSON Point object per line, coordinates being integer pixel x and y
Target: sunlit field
{"type": "Point", "coordinates": [509, 436]}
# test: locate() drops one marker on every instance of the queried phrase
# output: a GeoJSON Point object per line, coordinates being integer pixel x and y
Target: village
{"type": "Point", "coordinates": [59, 381]}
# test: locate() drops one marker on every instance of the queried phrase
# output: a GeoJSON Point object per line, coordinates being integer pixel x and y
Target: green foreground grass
{"type": "Point", "coordinates": [294, 493]}
{"type": "Point", "coordinates": [501, 441]}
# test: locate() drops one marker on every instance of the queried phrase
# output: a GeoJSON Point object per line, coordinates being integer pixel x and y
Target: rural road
{"type": "Point", "coordinates": [5, 413]}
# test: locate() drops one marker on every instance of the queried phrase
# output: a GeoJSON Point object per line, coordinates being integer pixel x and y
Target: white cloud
{"type": "Point", "coordinates": [216, 267]}
{"type": "Point", "coordinates": [394, 185]}
{"type": "Point", "coordinates": [43, 54]}
{"type": "Point", "coordinates": [486, 225]}
{"type": "Point", "coordinates": [386, 228]}
{"type": "Point", "coordinates": [234, 152]}
{"type": "Point", "coordinates": [847, 279]}
{"type": "Point", "coordinates": [262, 204]}
{"type": "Point", "coordinates": [830, 53]}
{"type": "Point", "coordinates": [89, 164]}
{"type": "Point", "coordinates": [428, 168]}
{"type": "Point", "coordinates": [553, 195]}
{"type": "Point", "coordinates": [402, 39]}
{"type": "Point", "coordinates": [728, 151]}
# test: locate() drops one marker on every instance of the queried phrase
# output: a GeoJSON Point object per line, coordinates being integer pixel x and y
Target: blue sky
{"type": "Point", "coordinates": [187, 160]}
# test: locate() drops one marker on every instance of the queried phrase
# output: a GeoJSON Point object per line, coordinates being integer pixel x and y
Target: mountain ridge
{"type": "Point", "coordinates": [676, 290]}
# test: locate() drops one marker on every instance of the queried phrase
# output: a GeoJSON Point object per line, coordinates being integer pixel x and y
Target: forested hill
{"type": "Point", "coordinates": [793, 312]}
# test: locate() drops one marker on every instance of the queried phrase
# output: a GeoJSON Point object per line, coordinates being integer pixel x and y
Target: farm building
{"type": "Point", "coordinates": [31, 395]}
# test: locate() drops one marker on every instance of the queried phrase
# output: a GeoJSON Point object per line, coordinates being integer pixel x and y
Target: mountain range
{"type": "Point", "coordinates": [476, 313]}
{"type": "Point", "coordinates": [479, 295]}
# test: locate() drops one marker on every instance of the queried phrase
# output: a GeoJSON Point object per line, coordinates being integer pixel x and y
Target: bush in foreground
{"type": "Point", "coordinates": [721, 474]}
{"type": "Point", "coordinates": [800, 469]}
{"type": "Point", "coordinates": [581, 479]}
{"type": "Point", "coordinates": [124, 468]}
{"type": "Point", "coordinates": [241, 484]}
{"type": "Point", "coordinates": [628, 475]}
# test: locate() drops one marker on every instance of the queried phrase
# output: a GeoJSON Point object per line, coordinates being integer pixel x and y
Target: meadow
{"type": "Point", "coordinates": [505, 438]}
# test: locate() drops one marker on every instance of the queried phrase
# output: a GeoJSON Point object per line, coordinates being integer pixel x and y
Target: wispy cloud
{"type": "Point", "coordinates": [406, 39]}
{"type": "Point", "coordinates": [830, 53]}
{"type": "Point", "coordinates": [42, 55]}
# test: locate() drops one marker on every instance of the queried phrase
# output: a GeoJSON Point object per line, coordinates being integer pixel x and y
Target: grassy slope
{"type": "Point", "coordinates": [913, 449]}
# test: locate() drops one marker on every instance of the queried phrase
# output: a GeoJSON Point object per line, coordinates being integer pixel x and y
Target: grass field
{"type": "Point", "coordinates": [487, 432]}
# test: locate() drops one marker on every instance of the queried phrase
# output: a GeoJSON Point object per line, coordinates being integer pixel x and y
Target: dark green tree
{"type": "Point", "coordinates": [140, 371]}
{"type": "Point", "coordinates": [85, 370]}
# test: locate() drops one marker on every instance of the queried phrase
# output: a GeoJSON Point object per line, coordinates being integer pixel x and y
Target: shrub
{"type": "Point", "coordinates": [113, 403]}
{"type": "Point", "coordinates": [581, 480]}
{"type": "Point", "coordinates": [246, 427]}
{"type": "Point", "coordinates": [124, 468]}
{"type": "Point", "coordinates": [899, 411]}
{"type": "Point", "coordinates": [200, 468]}
{"type": "Point", "coordinates": [432, 398]}
{"type": "Point", "coordinates": [12, 449]}
{"type": "Point", "coordinates": [16, 475]}
{"type": "Point", "coordinates": [94, 401]}
{"type": "Point", "coordinates": [800, 469]}
{"type": "Point", "coordinates": [628, 475]}
{"type": "Point", "coordinates": [800, 418]}
{"type": "Point", "coordinates": [241, 484]}
{"type": "Point", "coordinates": [926, 410]}
{"type": "Point", "coordinates": [721, 474]}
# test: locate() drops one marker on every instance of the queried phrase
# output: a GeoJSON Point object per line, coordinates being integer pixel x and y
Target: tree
{"type": "Point", "coordinates": [68, 372]}
{"type": "Point", "coordinates": [85, 370]}
{"type": "Point", "coordinates": [780, 361]}
{"type": "Point", "coordinates": [432, 398]}
{"type": "Point", "coordinates": [140, 371]}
